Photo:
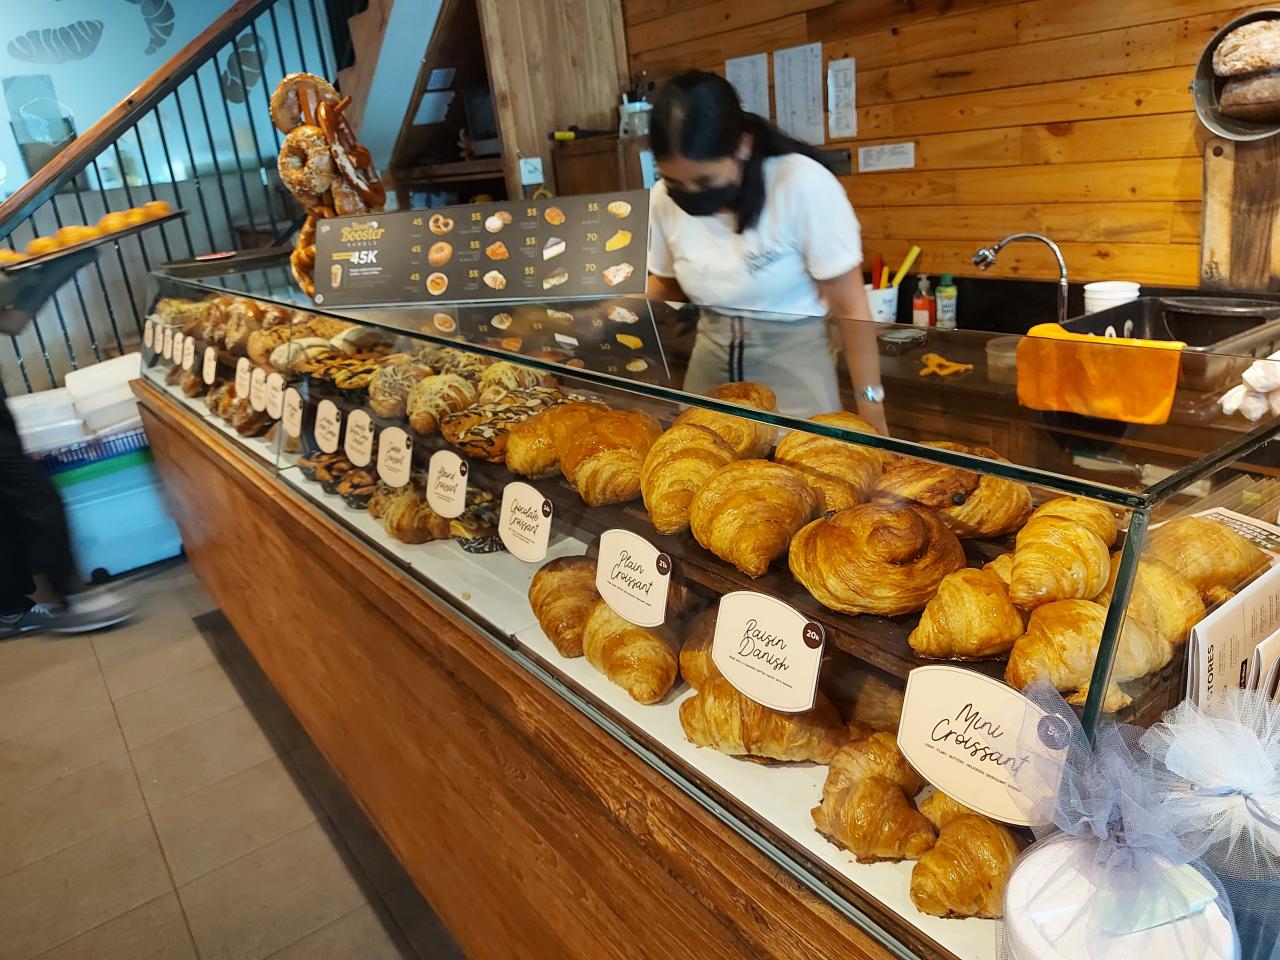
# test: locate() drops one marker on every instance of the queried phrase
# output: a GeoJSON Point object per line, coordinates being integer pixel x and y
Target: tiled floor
{"type": "Point", "coordinates": [158, 801]}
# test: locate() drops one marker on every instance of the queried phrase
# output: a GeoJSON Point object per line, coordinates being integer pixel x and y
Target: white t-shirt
{"type": "Point", "coordinates": [807, 231]}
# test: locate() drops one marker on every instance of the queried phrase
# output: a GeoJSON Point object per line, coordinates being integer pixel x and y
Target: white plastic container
{"type": "Point", "coordinates": [884, 304]}
{"type": "Point", "coordinates": [1109, 293]}
{"type": "Point", "coordinates": [31, 411]}
{"type": "Point", "coordinates": [101, 393]}
{"type": "Point", "coordinates": [52, 436]}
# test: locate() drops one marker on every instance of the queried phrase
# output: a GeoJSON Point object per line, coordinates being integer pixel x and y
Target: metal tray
{"type": "Point", "coordinates": [86, 244]}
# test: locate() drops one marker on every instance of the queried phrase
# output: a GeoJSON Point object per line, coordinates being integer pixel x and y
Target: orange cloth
{"type": "Point", "coordinates": [1110, 377]}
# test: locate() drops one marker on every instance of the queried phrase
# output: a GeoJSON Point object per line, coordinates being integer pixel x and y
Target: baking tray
{"type": "Point", "coordinates": [86, 244]}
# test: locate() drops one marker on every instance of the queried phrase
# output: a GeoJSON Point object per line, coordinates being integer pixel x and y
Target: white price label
{"type": "Point", "coordinates": [983, 743]}
{"type": "Point", "coordinates": [244, 376]}
{"type": "Point", "coordinates": [167, 350]}
{"type": "Point", "coordinates": [258, 389]}
{"type": "Point", "coordinates": [633, 576]}
{"type": "Point", "coordinates": [525, 522]}
{"type": "Point", "coordinates": [395, 457]}
{"type": "Point", "coordinates": [447, 483]}
{"type": "Point", "coordinates": [328, 426]}
{"type": "Point", "coordinates": [210, 369]}
{"type": "Point", "coordinates": [148, 334]}
{"type": "Point", "coordinates": [358, 444]}
{"type": "Point", "coordinates": [275, 396]}
{"type": "Point", "coordinates": [178, 340]}
{"type": "Point", "coordinates": [293, 413]}
{"type": "Point", "coordinates": [769, 650]}
{"type": "Point", "coordinates": [188, 353]}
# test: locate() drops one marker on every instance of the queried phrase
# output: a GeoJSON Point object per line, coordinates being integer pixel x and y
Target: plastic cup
{"type": "Point", "coordinates": [1109, 293]}
{"type": "Point", "coordinates": [884, 304]}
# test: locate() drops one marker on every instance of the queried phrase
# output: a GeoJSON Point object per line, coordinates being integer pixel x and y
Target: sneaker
{"type": "Point", "coordinates": [36, 619]}
{"type": "Point", "coordinates": [91, 610]}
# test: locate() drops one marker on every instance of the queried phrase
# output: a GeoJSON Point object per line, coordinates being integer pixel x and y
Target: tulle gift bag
{"type": "Point", "coordinates": [1107, 878]}
{"type": "Point", "coordinates": [1218, 769]}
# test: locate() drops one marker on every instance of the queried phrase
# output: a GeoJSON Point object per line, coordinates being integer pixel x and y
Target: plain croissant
{"type": "Point", "coordinates": [535, 445]}
{"type": "Point", "coordinates": [602, 460]}
{"type": "Point", "coordinates": [971, 616]}
{"type": "Point", "coordinates": [720, 717]}
{"type": "Point", "coordinates": [841, 472]}
{"type": "Point", "coordinates": [1061, 647]}
{"type": "Point", "coordinates": [865, 806]}
{"type": "Point", "coordinates": [747, 512]}
{"type": "Point", "coordinates": [677, 465]}
{"type": "Point", "coordinates": [1162, 598]}
{"type": "Point", "coordinates": [1057, 558]}
{"type": "Point", "coordinates": [749, 439]}
{"type": "Point", "coordinates": [563, 594]}
{"type": "Point", "coordinates": [1208, 553]}
{"type": "Point", "coordinates": [696, 665]}
{"type": "Point", "coordinates": [966, 871]}
{"type": "Point", "coordinates": [641, 660]}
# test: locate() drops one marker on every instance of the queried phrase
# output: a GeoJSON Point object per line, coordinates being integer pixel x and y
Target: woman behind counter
{"type": "Point", "coordinates": [746, 217]}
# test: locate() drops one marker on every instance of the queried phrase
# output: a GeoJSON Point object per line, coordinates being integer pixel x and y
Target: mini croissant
{"type": "Point", "coordinates": [966, 872]}
{"type": "Point", "coordinates": [842, 473]}
{"type": "Point", "coordinates": [1059, 557]}
{"type": "Point", "coordinates": [1162, 598]}
{"type": "Point", "coordinates": [1208, 553]}
{"type": "Point", "coordinates": [641, 660]}
{"type": "Point", "coordinates": [720, 717]}
{"type": "Point", "coordinates": [971, 616]}
{"type": "Point", "coordinates": [747, 512]}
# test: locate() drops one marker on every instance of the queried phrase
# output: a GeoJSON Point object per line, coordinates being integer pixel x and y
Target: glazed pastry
{"type": "Point", "coordinates": [641, 660]}
{"type": "Point", "coordinates": [602, 460]}
{"type": "Point", "coordinates": [970, 617]}
{"type": "Point", "coordinates": [296, 98]}
{"type": "Point", "coordinates": [357, 487]}
{"type": "Point", "coordinates": [720, 717]}
{"type": "Point", "coordinates": [881, 558]}
{"type": "Point", "coordinates": [748, 511]}
{"type": "Point", "coordinates": [306, 165]}
{"type": "Point", "coordinates": [291, 356]}
{"type": "Point", "coordinates": [262, 343]}
{"type": "Point", "coordinates": [966, 872]}
{"type": "Point", "coordinates": [437, 396]}
{"type": "Point", "coordinates": [390, 387]}
{"type": "Point", "coordinates": [406, 516]}
{"type": "Point", "coordinates": [1002, 567]}
{"type": "Point", "coordinates": [246, 421]}
{"type": "Point", "coordinates": [842, 473]}
{"type": "Point", "coordinates": [994, 508]}
{"type": "Point", "coordinates": [563, 595]}
{"type": "Point", "coordinates": [1162, 598]}
{"type": "Point", "coordinates": [1057, 558]}
{"type": "Point", "coordinates": [932, 485]}
{"type": "Point", "coordinates": [500, 377]}
{"type": "Point", "coordinates": [866, 807]}
{"type": "Point", "coordinates": [192, 383]}
{"type": "Point", "coordinates": [481, 430]}
{"type": "Point", "coordinates": [243, 318]}
{"type": "Point", "coordinates": [1208, 553]}
{"type": "Point", "coordinates": [174, 375]}
{"type": "Point", "coordinates": [696, 665]}
{"type": "Point", "coordinates": [677, 465]}
{"type": "Point", "coordinates": [475, 530]}
{"type": "Point", "coordinates": [1061, 647]}
{"type": "Point", "coordinates": [355, 374]}
{"type": "Point", "coordinates": [534, 447]}
{"type": "Point", "coordinates": [748, 439]}
{"type": "Point", "coordinates": [1097, 518]}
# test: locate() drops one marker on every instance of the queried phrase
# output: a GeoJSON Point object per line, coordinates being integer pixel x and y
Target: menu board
{"type": "Point", "coordinates": [564, 247]}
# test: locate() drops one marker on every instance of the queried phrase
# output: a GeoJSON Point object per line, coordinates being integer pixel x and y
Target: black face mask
{"type": "Point", "coordinates": [706, 201]}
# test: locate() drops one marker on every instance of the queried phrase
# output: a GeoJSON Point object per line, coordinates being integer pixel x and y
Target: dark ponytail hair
{"type": "Point", "coordinates": [698, 115]}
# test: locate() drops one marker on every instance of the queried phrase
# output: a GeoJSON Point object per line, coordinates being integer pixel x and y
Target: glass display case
{"type": "Point", "coordinates": [602, 486]}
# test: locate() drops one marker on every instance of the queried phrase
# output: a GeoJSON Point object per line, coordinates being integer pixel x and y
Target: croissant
{"type": "Point", "coordinates": [534, 446]}
{"type": "Point", "coordinates": [641, 660]}
{"type": "Point", "coordinates": [1208, 553]}
{"type": "Point", "coordinates": [841, 473]}
{"type": "Point", "coordinates": [1057, 559]}
{"type": "Point", "coordinates": [995, 507]}
{"type": "Point", "coordinates": [971, 616]}
{"type": "Point", "coordinates": [865, 807]}
{"type": "Point", "coordinates": [882, 558]}
{"type": "Point", "coordinates": [1002, 567]}
{"type": "Point", "coordinates": [1162, 598]}
{"type": "Point", "coordinates": [748, 439]}
{"type": "Point", "coordinates": [966, 872]}
{"type": "Point", "coordinates": [696, 665]}
{"type": "Point", "coordinates": [1061, 647]}
{"type": "Point", "coordinates": [407, 517]}
{"type": "Point", "coordinates": [603, 459]}
{"type": "Point", "coordinates": [677, 465]}
{"type": "Point", "coordinates": [1099, 519]}
{"type": "Point", "coordinates": [563, 594]}
{"type": "Point", "coordinates": [748, 510]}
{"type": "Point", "coordinates": [720, 717]}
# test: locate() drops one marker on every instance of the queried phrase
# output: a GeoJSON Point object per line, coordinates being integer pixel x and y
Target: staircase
{"type": "Point", "coordinates": [197, 134]}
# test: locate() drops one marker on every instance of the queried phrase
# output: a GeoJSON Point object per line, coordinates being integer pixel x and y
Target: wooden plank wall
{"type": "Point", "coordinates": [1068, 117]}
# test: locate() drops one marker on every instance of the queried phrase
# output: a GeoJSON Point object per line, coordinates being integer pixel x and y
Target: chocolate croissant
{"type": "Point", "coordinates": [994, 508]}
{"type": "Point", "coordinates": [882, 558]}
{"type": "Point", "coordinates": [534, 446]}
{"type": "Point", "coordinates": [1162, 598]}
{"type": "Point", "coordinates": [696, 665]}
{"type": "Point", "coordinates": [971, 616]}
{"type": "Point", "coordinates": [748, 510]}
{"type": "Point", "coordinates": [641, 660]}
{"type": "Point", "coordinates": [602, 460]}
{"type": "Point", "coordinates": [866, 807]}
{"type": "Point", "coordinates": [1208, 553]}
{"type": "Point", "coordinates": [966, 871]}
{"type": "Point", "coordinates": [749, 439]}
{"type": "Point", "coordinates": [720, 717]}
{"type": "Point", "coordinates": [677, 465]}
{"type": "Point", "coordinates": [842, 473]}
{"type": "Point", "coordinates": [1058, 557]}
{"type": "Point", "coordinates": [563, 594]}
{"type": "Point", "coordinates": [1061, 647]}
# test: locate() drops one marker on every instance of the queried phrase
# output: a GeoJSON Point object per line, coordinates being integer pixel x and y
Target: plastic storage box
{"type": "Point", "coordinates": [102, 395]}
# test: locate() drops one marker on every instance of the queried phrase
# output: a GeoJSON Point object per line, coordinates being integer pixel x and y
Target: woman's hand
{"type": "Point", "coordinates": [846, 298]}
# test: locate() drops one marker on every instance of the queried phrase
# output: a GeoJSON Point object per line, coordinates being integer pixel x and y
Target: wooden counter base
{"type": "Point", "coordinates": [532, 832]}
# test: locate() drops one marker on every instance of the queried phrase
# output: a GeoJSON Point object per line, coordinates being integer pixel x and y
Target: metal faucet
{"type": "Point", "coordinates": [986, 257]}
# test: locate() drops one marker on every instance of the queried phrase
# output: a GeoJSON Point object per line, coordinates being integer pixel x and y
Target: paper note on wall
{"type": "Point", "coordinates": [842, 99]}
{"type": "Point", "coordinates": [750, 77]}
{"type": "Point", "coordinates": [797, 81]}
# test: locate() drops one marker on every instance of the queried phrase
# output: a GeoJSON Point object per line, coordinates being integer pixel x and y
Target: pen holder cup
{"type": "Point", "coordinates": [884, 304]}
